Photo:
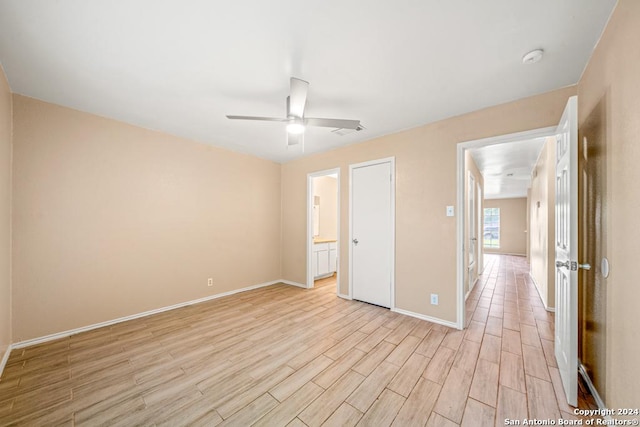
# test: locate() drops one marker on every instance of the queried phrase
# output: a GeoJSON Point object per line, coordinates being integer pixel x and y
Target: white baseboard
{"type": "Point", "coordinates": [481, 270]}
{"type": "Point", "coordinates": [70, 332]}
{"type": "Point", "coordinates": [289, 282]}
{"type": "Point", "coordinates": [504, 253]}
{"type": "Point", "coordinates": [475, 282]}
{"type": "Point", "coordinates": [5, 358]}
{"type": "Point", "coordinates": [544, 303]}
{"type": "Point", "coordinates": [585, 375]}
{"type": "Point", "coordinates": [427, 318]}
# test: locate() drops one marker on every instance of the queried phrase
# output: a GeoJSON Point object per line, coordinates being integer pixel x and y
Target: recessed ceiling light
{"type": "Point", "coordinates": [533, 56]}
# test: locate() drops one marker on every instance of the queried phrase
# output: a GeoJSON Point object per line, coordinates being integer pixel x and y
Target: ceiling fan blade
{"type": "Point", "coordinates": [267, 119]}
{"type": "Point", "coordinates": [297, 97]}
{"type": "Point", "coordinates": [295, 139]}
{"type": "Point", "coordinates": [333, 123]}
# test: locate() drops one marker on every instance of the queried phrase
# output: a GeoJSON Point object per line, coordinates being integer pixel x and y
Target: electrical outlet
{"type": "Point", "coordinates": [450, 211]}
{"type": "Point", "coordinates": [210, 281]}
{"type": "Point", "coordinates": [434, 299]}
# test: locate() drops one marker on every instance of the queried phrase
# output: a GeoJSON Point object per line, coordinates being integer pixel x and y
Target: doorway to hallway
{"type": "Point", "coordinates": [501, 165]}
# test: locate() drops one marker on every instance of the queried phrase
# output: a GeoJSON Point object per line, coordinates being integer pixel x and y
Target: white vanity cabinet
{"type": "Point", "coordinates": [324, 259]}
{"type": "Point", "coordinates": [333, 257]}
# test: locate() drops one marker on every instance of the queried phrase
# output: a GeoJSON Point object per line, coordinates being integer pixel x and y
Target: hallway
{"type": "Point", "coordinates": [516, 357]}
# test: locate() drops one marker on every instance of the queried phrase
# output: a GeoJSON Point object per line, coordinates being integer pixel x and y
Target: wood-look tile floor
{"type": "Point", "coordinates": [282, 355]}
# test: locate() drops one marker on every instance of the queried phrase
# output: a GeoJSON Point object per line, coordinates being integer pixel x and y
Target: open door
{"type": "Point", "coordinates": [566, 242]}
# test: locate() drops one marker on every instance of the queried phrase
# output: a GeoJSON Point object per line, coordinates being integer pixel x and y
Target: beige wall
{"type": "Point", "coordinates": [513, 225]}
{"type": "Point", "coordinates": [542, 224]}
{"type": "Point", "coordinates": [326, 188]}
{"type": "Point", "coordinates": [470, 167]}
{"type": "Point", "coordinates": [609, 89]}
{"type": "Point", "coordinates": [112, 220]}
{"type": "Point", "coordinates": [5, 213]}
{"type": "Point", "coordinates": [425, 185]}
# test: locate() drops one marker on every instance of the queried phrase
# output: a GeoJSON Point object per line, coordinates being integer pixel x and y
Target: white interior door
{"type": "Point", "coordinates": [372, 232]}
{"type": "Point", "coordinates": [566, 330]}
{"type": "Point", "coordinates": [479, 233]}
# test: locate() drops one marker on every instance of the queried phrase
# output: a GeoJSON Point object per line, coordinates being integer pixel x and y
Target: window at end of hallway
{"type": "Point", "coordinates": [491, 232]}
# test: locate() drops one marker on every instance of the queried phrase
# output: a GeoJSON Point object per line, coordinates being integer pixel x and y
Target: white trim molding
{"type": "Point", "coordinates": [596, 396]}
{"type": "Point", "coordinates": [289, 282]}
{"type": "Point", "coordinates": [544, 303]}
{"type": "Point", "coordinates": [5, 358]}
{"type": "Point", "coordinates": [68, 333]}
{"type": "Point", "coordinates": [475, 282]}
{"type": "Point", "coordinates": [503, 253]}
{"type": "Point", "coordinates": [427, 318]}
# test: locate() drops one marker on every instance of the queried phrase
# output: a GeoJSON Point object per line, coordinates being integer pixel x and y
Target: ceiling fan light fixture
{"type": "Point", "coordinates": [295, 119]}
{"type": "Point", "coordinates": [295, 128]}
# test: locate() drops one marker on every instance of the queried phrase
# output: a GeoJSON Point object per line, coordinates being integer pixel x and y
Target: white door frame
{"type": "Point", "coordinates": [479, 231]}
{"type": "Point", "coordinates": [461, 182]}
{"type": "Point", "coordinates": [310, 177]}
{"type": "Point", "coordinates": [392, 163]}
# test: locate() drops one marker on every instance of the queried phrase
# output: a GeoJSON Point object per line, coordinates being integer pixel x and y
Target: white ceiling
{"type": "Point", "coordinates": [180, 66]}
{"type": "Point", "coordinates": [506, 168]}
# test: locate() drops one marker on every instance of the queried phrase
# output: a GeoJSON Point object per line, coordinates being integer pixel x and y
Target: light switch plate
{"type": "Point", "coordinates": [449, 210]}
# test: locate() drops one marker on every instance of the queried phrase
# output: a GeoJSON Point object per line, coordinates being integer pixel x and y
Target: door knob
{"type": "Point", "coordinates": [573, 265]}
{"type": "Point", "coordinates": [355, 242]}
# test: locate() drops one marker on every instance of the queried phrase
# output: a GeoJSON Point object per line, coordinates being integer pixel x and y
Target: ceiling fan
{"type": "Point", "coordinates": [296, 121]}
